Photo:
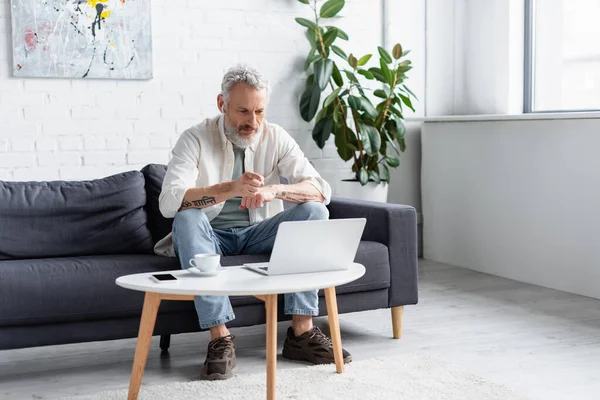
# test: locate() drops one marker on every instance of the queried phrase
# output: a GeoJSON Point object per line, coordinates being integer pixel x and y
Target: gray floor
{"type": "Point", "coordinates": [543, 343]}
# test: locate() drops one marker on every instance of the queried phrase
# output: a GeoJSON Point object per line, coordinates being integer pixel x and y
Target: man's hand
{"type": "Point", "coordinates": [247, 185]}
{"type": "Point", "coordinates": [263, 195]}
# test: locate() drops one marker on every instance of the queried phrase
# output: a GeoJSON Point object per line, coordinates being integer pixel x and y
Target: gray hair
{"type": "Point", "coordinates": [244, 74]}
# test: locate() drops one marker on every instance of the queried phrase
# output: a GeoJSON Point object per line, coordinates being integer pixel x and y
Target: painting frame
{"type": "Point", "coordinates": [82, 39]}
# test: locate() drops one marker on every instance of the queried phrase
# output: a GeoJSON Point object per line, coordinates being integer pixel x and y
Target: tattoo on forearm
{"type": "Point", "coordinates": [297, 197]}
{"type": "Point", "coordinates": [203, 202]}
{"type": "Point", "coordinates": [206, 200]}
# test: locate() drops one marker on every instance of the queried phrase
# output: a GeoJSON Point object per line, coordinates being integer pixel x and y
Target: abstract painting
{"type": "Point", "coordinates": [108, 39]}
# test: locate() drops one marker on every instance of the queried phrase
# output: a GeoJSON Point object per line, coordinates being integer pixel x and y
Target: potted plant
{"type": "Point", "coordinates": [370, 135]}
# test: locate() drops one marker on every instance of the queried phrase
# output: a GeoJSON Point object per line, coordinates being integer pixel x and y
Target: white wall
{"type": "Point", "coordinates": [518, 199]}
{"type": "Point", "coordinates": [80, 129]}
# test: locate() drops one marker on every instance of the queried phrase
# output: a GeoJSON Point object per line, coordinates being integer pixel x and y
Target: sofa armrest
{"type": "Point", "coordinates": [395, 226]}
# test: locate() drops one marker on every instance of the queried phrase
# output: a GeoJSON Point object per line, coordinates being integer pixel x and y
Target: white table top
{"type": "Point", "coordinates": [234, 281]}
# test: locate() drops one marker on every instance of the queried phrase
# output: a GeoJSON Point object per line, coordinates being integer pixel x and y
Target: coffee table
{"type": "Point", "coordinates": [235, 281]}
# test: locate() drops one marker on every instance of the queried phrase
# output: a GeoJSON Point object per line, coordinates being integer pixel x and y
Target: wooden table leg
{"type": "Point", "coordinates": [271, 306]}
{"type": "Point", "coordinates": [334, 325]}
{"type": "Point", "coordinates": [151, 303]}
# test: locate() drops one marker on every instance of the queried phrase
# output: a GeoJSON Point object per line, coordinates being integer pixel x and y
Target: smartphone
{"type": "Point", "coordinates": [163, 278]}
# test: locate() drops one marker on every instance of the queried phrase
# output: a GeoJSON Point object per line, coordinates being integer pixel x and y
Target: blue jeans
{"type": "Point", "coordinates": [193, 234]}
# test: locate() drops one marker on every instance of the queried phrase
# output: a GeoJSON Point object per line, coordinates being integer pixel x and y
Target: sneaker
{"type": "Point", "coordinates": [220, 359]}
{"type": "Point", "coordinates": [312, 346]}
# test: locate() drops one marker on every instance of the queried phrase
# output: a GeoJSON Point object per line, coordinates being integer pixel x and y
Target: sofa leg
{"type": "Point", "coordinates": [397, 313]}
{"type": "Point", "coordinates": [165, 342]}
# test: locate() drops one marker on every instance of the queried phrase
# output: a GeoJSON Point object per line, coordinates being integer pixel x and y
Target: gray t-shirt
{"type": "Point", "coordinates": [231, 216]}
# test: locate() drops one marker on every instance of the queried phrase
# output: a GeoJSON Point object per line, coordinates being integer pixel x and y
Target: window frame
{"type": "Point", "coordinates": [529, 66]}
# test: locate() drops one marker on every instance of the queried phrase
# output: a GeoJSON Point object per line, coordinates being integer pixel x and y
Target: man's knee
{"type": "Point", "coordinates": [190, 220]}
{"type": "Point", "coordinates": [312, 211]}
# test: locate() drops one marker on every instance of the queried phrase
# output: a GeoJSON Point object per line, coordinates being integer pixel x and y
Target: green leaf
{"type": "Point", "coordinates": [391, 125]}
{"type": "Point", "coordinates": [403, 69]}
{"type": "Point", "coordinates": [406, 100]}
{"type": "Point", "coordinates": [339, 52]}
{"type": "Point", "coordinates": [377, 74]}
{"type": "Point", "coordinates": [392, 161]}
{"type": "Point", "coordinates": [303, 1]}
{"type": "Point", "coordinates": [405, 53]}
{"type": "Point", "coordinates": [364, 59]}
{"type": "Point", "coordinates": [322, 131]}
{"type": "Point", "coordinates": [309, 102]}
{"type": "Point", "coordinates": [329, 37]}
{"type": "Point", "coordinates": [341, 142]}
{"type": "Point", "coordinates": [363, 176]}
{"type": "Point", "coordinates": [387, 173]}
{"type": "Point", "coordinates": [310, 60]}
{"type": "Point", "coordinates": [351, 76]}
{"type": "Point", "coordinates": [389, 140]}
{"type": "Point", "coordinates": [354, 102]}
{"type": "Point", "coordinates": [387, 74]}
{"type": "Point", "coordinates": [385, 56]}
{"type": "Point", "coordinates": [323, 69]}
{"type": "Point", "coordinates": [366, 74]}
{"type": "Point", "coordinates": [395, 111]}
{"type": "Point", "coordinates": [311, 35]}
{"type": "Point", "coordinates": [401, 130]}
{"type": "Point", "coordinates": [374, 176]}
{"type": "Point", "coordinates": [370, 139]}
{"type": "Point", "coordinates": [409, 91]}
{"type": "Point", "coordinates": [337, 114]}
{"type": "Point", "coordinates": [307, 23]}
{"type": "Point", "coordinates": [321, 114]}
{"type": "Point", "coordinates": [402, 144]}
{"type": "Point", "coordinates": [331, 97]}
{"type": "Point", "coordinates": [342, 35]}
{"type": "Point", "coordinates": [397, 51]}
{"type": "Point", "coordinates": [351, 147]}
{"type": "Point", "coordinates": [368, 107]}
{"type": "Point", "coordinates": [352, 61]}
{"type": "Point", "coordinates": [380, 93]}
{"type": "Point", "coordinates": [309, 81]}
{"type": "Point", "coordinates": [337, 77]}
{"type": "Point", "coordinates": [331, 8]}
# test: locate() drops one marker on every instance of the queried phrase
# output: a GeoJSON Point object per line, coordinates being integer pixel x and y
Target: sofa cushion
{"type": "Point", "coordinates": [160, 226]}
{"type": "Point", "coordinates": [53, 290]}
{"type": "Point", "coordinates": [59, 218]}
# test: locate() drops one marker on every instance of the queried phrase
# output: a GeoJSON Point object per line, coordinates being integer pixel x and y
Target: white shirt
{"type": "Point", "coordinates": [203, 156]}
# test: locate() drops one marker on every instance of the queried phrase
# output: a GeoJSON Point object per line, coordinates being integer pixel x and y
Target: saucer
{"type": "Point", "coordinates": [196, 272]}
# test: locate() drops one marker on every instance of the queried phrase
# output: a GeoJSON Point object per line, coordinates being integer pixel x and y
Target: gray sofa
{"type": "Point", "coordinates": [63, 244]}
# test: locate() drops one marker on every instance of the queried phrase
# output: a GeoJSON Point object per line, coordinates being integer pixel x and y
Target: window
{"type": "Point", "coordinates": [562, 56]}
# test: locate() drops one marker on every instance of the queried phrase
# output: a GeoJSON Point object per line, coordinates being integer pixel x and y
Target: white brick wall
{"type": "Point", "coordinates": [85, 129]}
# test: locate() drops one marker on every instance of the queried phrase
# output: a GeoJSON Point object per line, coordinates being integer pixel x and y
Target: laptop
{"type": "Point", "coordinates": [313, 246]}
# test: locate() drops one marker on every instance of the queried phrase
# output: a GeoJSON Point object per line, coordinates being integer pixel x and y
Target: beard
{"type": "Point", "coordinates": [236, 137]}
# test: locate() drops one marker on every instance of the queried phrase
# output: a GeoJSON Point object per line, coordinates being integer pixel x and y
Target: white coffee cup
{"type": "Point", "coordinates": [206, 262]}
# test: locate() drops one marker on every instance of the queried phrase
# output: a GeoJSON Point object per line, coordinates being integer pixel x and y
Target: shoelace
{"type": "Point", "coordinates": [320, 337]}
{"type": "Point", "coordinates": [217, 347]}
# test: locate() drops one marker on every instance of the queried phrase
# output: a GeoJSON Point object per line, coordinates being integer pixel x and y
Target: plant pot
{"type": "Point", "coordinates": [372, 191]}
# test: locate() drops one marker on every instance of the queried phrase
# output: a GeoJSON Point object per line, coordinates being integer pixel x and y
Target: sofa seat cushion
{"type": "Point", "coordinates": [64, 219]}
{"type": "Point", "coordinates": [47, 290]}
{"type": "Point", "coordinates": [40, 291]}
